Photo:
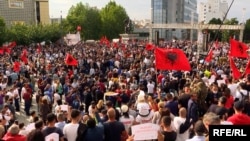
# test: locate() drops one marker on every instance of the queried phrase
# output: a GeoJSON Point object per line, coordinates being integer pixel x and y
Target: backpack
{"type": "Point", "coordinates": [245, 98]}
{"type": "Point", "coordinates": [81, 132]}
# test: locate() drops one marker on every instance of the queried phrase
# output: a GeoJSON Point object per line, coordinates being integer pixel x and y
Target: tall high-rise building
{"type": "Point", "coordinates": [173, 11]}
{"type": "Point", "coordinates": [212, 9]}
{"type": "Point", "coordinates": [24, 11]}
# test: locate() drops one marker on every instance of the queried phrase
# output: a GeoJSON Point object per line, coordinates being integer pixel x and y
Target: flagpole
{"type": "Point", "coordinates": [217, 32]}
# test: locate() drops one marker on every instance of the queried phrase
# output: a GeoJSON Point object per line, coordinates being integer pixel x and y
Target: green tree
{"type": "Point", "coordinates": [226, 34]}
{"type": "Point", "coordinates": [20, 34]}
{"type": "Point", "coordinates": [2, 31]}
{"type": "Point", "coordinates": [247, 31]}
{"type": "Point", "coordinates": [85, 16]}
{"type": "Point", "coordinates": [113, 17]}
{"type": "Point", "coordinates": [54, 32]}
{"type": "Point", "coordinates": [215, 34]}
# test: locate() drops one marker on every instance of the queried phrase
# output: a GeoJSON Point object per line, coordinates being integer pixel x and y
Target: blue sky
{"type": "Point", "coordinates": [137, 9]}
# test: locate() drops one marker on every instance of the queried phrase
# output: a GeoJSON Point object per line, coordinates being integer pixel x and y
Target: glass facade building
{"type": "Point", "coordinates": [173, 11]}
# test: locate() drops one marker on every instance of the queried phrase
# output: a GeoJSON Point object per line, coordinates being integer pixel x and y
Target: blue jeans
{"type": "Point", "coordinates": [27, 105]}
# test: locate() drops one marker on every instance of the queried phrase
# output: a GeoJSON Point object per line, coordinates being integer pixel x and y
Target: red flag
{"type": "Point", "coordinates": [238, 49]}
{"type": "Point", "coordinates": [150, 47]}
{"type": "Point", "coordinates": [24, 58]}
{"type": "Point", "coordinates": [5, 50]}
{"type": "Point", "coordinates": [236, 73]}
{"type": "Point", "coordinates": [12, 44]}
{"type": "Point", "coordinates": [16, 66]}
{"type": "Point", "coordinates": [70, 60]}
{"type": "Point", "coordinates": [247, 69]}
{"type": "Point", "coordinates": [171, 59]}
{"type": "Point", "coordinates": [209, 56]}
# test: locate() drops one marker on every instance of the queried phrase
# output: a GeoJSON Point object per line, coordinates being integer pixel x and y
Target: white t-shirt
{"type": "Point", "coordinates": [127, 122]}
{"type": "Point", "coordinates": [177, 123]}
{"type": "Point", "coordinates": [233, 88]}
{"type": "Point", "coordinates": [239, 93]}
{"type": "Point", "coordinates": [70, 131]}
{"type": "Point", "coordinates": [150, 87]}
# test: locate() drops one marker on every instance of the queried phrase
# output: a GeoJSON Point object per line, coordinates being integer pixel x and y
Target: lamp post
{"type": "Point", "coordinates": [151, 26]}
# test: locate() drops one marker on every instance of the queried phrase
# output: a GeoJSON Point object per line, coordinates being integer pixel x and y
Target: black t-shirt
{"type": "Point", "coordinates": [169, 136]}
{"type": "Point", "coordinates": [113, 131]}
{"type": "Point", "coordinates": [50, 130]}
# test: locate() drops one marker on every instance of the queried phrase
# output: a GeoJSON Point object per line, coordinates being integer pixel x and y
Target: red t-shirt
{"type": "Point", "coordinates": [230, 102]}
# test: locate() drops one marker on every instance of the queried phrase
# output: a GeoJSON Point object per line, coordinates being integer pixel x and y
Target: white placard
{"type": "Point", "coordinates": [221, 82]}
{"type": "Point", "coordinates": [147, 131]}
{"type": "Point", "coordinates": [52, 137]}
{"type": "Point", "coordinates": [64, 107]}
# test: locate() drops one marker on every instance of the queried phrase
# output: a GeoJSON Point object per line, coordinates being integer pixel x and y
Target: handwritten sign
{"type": "Point", "coordinates": [147, 131]}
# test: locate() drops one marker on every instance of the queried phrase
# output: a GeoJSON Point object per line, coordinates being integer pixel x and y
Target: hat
{"type": "Point", "coordinates": [238, 105]}
{"type": "Point", "coordinates": [124, 109]}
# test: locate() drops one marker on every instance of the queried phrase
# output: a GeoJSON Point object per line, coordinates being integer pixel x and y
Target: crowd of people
{"type": "Point", "coordinates": [114, 88]}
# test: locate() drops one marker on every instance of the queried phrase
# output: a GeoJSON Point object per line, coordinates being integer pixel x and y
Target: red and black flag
{"type": "Point", "coordinates": [171, 59]}
{"type": "Point", "coordinates": [70, 60]}
{"type": "Point", "coordinates": [238, 49]}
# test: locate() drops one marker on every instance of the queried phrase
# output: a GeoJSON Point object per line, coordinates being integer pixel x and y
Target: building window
{"type": "Point", "coordinates": [16, 4]}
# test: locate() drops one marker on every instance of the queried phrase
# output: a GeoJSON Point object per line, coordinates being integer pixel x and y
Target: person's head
{"type": "Point", "coordinates": [166, 121]}
{"type": "Point", "coordinates": [59, 102]}
{"type": "Point", "coordinates": [2, 120]}
{"type": "Point", "coordinates": [183, 112]}
{"type": "Point", "coordinates": [14, 129]}
{"type": "Point", "coordinates": [111, 114]}
{"type": "Point", "coordinates": [35, 119]}
{"type": "Point", "coordinates": [187, 89]}
{"type": "Point", "coordinates": [60, 117]}
{"type": "Point", "coordinates": [169, 96]}
{"type": "Point", "coordinates": [221, 112]}
{"type": "Point", "coordinates": [21, 125]}
{"type": "Point", "coordinates": [199, 128]}
{"type": "Point", "coordinates": [161, 106]}
{"type": "Point", "coordinates": [124, 111]}
{"type": "Point", "coordinates": [2, 130]}
{"type": "Point", "coordinates": [222, 101]}
{"type": "Point", "coordinates": [211, 119]}
{"type": "Point", "coordinates": [109, 104]}
{"type": "Point", "coordinates": [91, 123]}
{"type": "Point", "coordinates": [227, 92]}
{"type": "Point", "coordinates": [39, 124]}
{"type": "Point", "coordinates": [35, 135]}
{"type": "Point", "coordinates": [51, 118]}
{"type": "Point", "coordinates": [238, 106]}
{"type": "Point", "coordinates": [33, 113]}
{"type": "Point", "coordinates": [100, 103]}
{"type": "Point", "coordinates": [75, 115]}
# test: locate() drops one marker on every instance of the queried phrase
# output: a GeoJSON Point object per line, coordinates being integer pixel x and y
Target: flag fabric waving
{"type": "Point", "coordinates": [235, 72]}
{"type": "Point", "coordinates": [238, 49]}
{"type": "Point", "coordinates": [70, 60]}
{"type": "Point", "coordinates": [150, 47]}
{"type": "Point", "coordinates": [247, 69]}
{"type": "Point", "coordinates": [209, 56]}
{"type": "Point", "coordinates": [16, 67]}
{"type": "Point", "coordinates": [171, 59]}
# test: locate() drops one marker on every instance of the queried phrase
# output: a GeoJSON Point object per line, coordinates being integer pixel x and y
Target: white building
{"type": "Point", "coordinates": [212, 9]}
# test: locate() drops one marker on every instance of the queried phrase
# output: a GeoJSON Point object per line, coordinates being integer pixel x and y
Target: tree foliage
{"type": "Point", "coordinates": [247, 31]}
{"type": "Point", "coordinates": [2, 31]}
{"type": "Point", "coordinates": [227, 34]}
{"type": "Point", "coordinates": [86, 17]}
{"type": "Point", "coordinates": [215, 34]}
{"type": "Point", "coordinates": [113, 17]}
{"type": "Point", "coordinates": [24, 34]}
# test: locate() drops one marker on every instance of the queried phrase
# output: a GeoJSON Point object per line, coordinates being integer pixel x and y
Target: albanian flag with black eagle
{"type": "Point", "coordinates": [238, 49]}
{"type": "Point", "coordinates": [171, 59]}
{"type": "Point", "coordinates": [70, 60]}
